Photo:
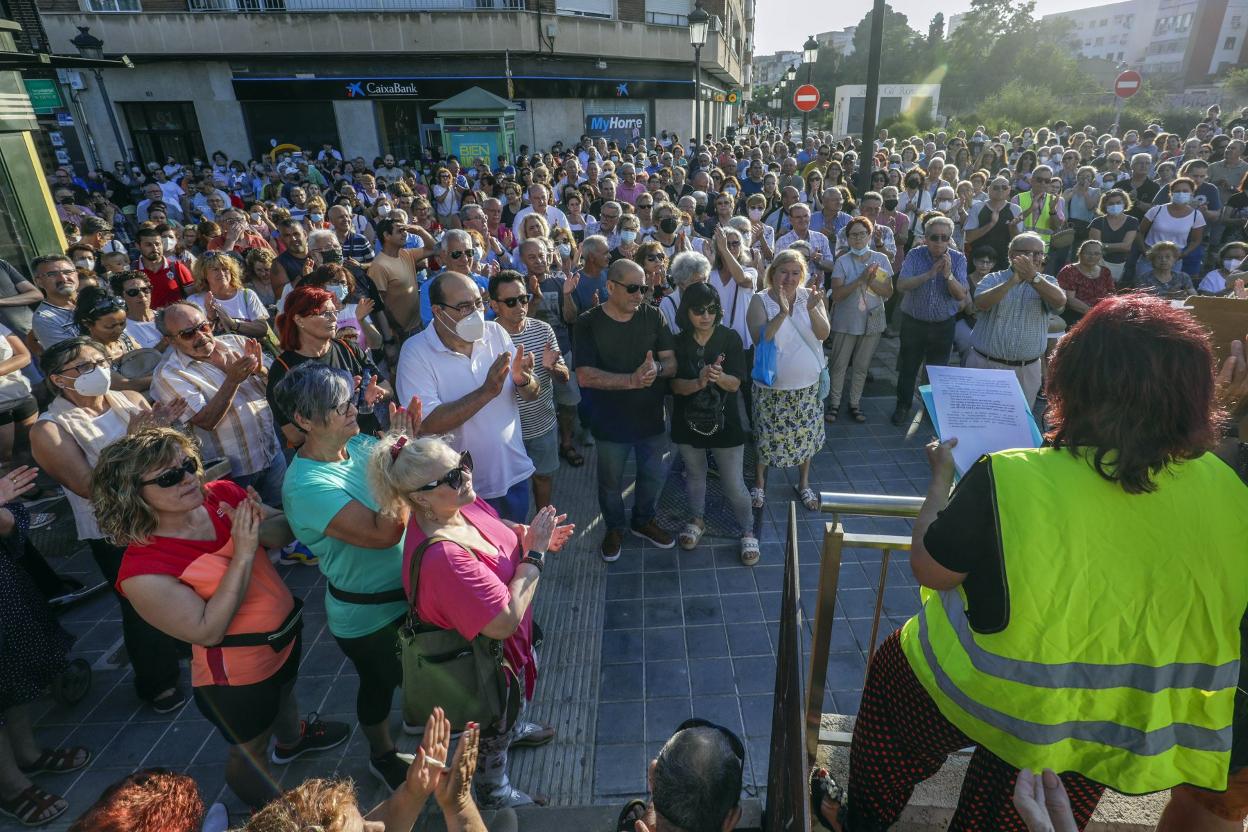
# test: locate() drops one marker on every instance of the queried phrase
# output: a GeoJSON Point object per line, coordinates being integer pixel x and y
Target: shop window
{"type": "Point", "coordinates": [308, 124]}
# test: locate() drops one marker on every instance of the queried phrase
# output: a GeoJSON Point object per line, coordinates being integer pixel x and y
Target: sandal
{"type": "Point", "coordinates": [824, 787]}
{"type": "Point", "coordinates": [572, 455]}
{"type": "Point", "coordinates": [856, 415]}
{"type": "Point", "coordinates": [832, 412]}
{"type": "Point", "coordinates": [58, 761]}
{"type": "Point", "coordinates": [808, 497]}
{"type": "Point", "coordinates": [633, 811]}
{"type": "Point", "coordinates": [690, 535]}
{"type": "Point", "coordinates": [31, 807]}
{"type": "Point", "coordinates": [749, 551]}
{"type": "Point", "coordinates": [758, 497]}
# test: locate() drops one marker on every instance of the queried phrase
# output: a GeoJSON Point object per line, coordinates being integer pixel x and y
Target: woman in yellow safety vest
{"type": "Point", "coordinates": [1082, 602]}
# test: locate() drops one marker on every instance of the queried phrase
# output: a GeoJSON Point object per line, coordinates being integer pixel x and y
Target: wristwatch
{"type": "Point", "coordinates": [1035, 279]}
{"type": "Point", "coordinates": [536, 558]}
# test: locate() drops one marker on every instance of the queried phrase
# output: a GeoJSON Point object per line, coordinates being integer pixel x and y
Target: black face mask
{"type": "Point", "coordinates": [668, 225]}
{"type": "Point", "coordinates": [69, 200]}
{"type": "Point", "coordinates": [890, 204]}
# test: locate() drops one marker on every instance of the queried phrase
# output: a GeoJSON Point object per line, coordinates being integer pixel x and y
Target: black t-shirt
{"type": "Point", "coordinates": [1146, 192]}
{"type": "Point", "coordinates": [341, 356]}
{"type": "Point", "coordinates": [1109, 235]}
{"type": "Point", "coordinates": [603, 342]}
{"type": "Point", "coordinates": [690, 358]}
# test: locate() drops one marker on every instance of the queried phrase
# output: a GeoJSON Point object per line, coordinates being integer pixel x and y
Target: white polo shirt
{"type": "Point", "coordinates": [436, 373]}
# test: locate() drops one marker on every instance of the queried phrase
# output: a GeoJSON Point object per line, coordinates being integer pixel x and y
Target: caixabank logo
{"type": "Point", "coordinates": [367, 89]}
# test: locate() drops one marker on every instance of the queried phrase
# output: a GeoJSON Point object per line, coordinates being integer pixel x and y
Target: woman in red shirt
{"type": "Point", "coordinates": [479, 579]}
{"type": "Point", "coordinates": [1086, 281]}
{"type": "Point", "coordinates": [194, 568]}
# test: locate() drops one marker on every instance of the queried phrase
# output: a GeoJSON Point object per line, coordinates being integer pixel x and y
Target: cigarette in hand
{"type": "Point", "coordinates": [434, 761]}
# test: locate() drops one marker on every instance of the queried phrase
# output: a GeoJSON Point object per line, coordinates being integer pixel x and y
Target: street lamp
{"type": "Point", "coordinates": [810, 54]}
{"type": "Point", "coordinates": [699, 24]}
{"type": "Point", "coordinates": [91, 47]}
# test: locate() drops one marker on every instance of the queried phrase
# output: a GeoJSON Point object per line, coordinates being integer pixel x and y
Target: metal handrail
{"type": "Point", "coordinates": [835, 539]}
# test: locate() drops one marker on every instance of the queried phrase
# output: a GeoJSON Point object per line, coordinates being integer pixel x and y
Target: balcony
{"type": "Point", "coordinates": [233, 29]}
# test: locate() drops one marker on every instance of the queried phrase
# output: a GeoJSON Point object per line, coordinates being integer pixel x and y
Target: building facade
{"type": "Point", "coordinates": [242, 76]}
{"type": "Point", "coordinates": [1113, 32]}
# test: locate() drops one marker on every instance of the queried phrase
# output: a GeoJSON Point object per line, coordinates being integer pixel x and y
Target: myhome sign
{"type": "Point", "coordinates": [621, 127]}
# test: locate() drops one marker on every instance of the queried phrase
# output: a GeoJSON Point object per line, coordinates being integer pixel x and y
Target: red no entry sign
{"type": "Point", "coordinates": [806, 98]}
{"type": "Point", "coordinates": [825, 105]}
{"type": "Point", "coordinates": [1128, 84]}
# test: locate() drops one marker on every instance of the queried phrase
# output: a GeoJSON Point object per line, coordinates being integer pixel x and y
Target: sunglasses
{"type": "Point", "coordinates": [938, 238]}
{"type": "Point", "coordinates": [174, 475]}
{"type": "Point", "coordinates": [134, 293]}
{"type": "Point", "coordinates": [655, 258]}
{"type": "Point", "coordinates": [704, 310]}
{"type": "Point", "coordinates": [510, 303]}
{"type": "Point", "coordinates": [108, 305]}
{"type": "Point", "coordinates": [454, 477]}
{"type": "Point", "coordinates": [189, 333]}
{"type": "Point", "coordinates": [455, 255]}
{"type": "Point", "coordinates": [631, 288]}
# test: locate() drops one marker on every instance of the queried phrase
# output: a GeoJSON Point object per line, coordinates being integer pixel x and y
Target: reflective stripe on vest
{"type": "Point", "coordinates": [1103, 667]}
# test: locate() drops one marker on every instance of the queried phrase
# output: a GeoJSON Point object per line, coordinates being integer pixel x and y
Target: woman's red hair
{"type": "Point", "coordinates": [155, 800]}
{"type": "Point", "coordinates": [1133, 384]}
{"type": "Point", "coordinates": [304, 301]}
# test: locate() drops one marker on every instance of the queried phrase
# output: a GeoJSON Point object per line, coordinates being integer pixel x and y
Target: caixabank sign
{"type": "Point", "coordinates": [624, 127]}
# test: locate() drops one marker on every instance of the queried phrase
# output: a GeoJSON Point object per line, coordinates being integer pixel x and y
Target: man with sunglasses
{"type": "Point", "coordinates": [933, 286]}
{"type": "Point", "coordinates": [511, 301]}
{"type": "Point", "coordinates": [223, 380]}
{"type": "Point", "coordinates": [622, 348]}
{"type": "Point", "coordinates": [995, 222]}
{"type": "Point", "coordinates": [468, 373]}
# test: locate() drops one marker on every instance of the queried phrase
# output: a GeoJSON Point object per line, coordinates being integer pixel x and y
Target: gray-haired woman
{"type": "Point", "coordinates": [687, 268]}
{"type": "Point", "coordinates": [333, 512]}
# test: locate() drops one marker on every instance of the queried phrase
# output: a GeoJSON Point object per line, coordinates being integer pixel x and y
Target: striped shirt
{"type": "Point", "coordinates": [245, 434]}
{"type": "Point", "coordinates": [538, 416]}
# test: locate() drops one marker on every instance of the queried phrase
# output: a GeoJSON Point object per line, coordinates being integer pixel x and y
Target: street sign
{"type": "Point", "coordinates": [806, 98]}
{"type": "Point", "coordinates": [44, 96]}
{"type": "Point", "coordinates": [1127, 84]}
{"type": "Point", "coordinates": [826, 104]}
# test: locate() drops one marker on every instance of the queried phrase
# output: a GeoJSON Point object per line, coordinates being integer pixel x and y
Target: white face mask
{"type": "Point", "coordinates": [94, 382]}
{"type": "Point", "coordinates": [169, 244]}
{"type": "Point", "coordinates": [756, 214]}
{"type": "Point", "coordinates": [944, 204]}
{"type": "Point", "coordinates": [472, 328]}
{"type": "Point", "coordinates": [1181, 198]}
{"type": "Point", "coordinates": [85, 263]}
{"type": "Point", "coordinates": [338, 290]}
{"type": "Point", "coordinates": [382, 210]}
{"type": "Point", "coordinates": [1230, 264]}
{"type": "Point", "coordinates": [255, 218]}
{"type": "Point", "coordinates": [564, 250]}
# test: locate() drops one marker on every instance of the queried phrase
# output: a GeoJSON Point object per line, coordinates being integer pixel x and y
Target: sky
{"type": "Point", "coordinates": [774, 31]}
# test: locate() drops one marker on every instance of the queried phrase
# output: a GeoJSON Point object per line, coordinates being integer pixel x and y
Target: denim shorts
{"type": "Point", "coordinates": [543, 450]}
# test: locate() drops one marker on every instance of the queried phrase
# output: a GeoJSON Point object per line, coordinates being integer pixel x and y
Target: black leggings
{"type": "Point", "coordinates": [376, 660]}
{"type": "Point", "coordinates": [153, 654]}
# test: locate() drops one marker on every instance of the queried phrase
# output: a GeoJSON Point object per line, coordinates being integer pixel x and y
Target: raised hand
{"type": "Point", "coordinates": [251, 347]}
{"type": "Point", "coordinates": [569, 285]}
{"type": "Point", "coordinates": [374, 392]}
{"type": "Point", "coordinates": [538, 533]}
{"type": "Point", "coordinates": [17, 482]}
{"type": "Point", "coordinates": [365, 308]}
{"type": "Point", "coordinates": [164, 414]}
{"type": "Point", "coordinates": [521, 366]}
{"type": "Point", "coordinates": [454, 787]}
{"type": "Point", "coordinates": [1023, 267]}
{"type": "Point", "coordinates": [497, 376]}
{"type": "Point", "coordinates": [647, 372]}
{"type": "Point", "coordinates": [245, 528]}
{"type": "Point", "coordinates": [430, 763]}
{"type": "Point", "coordinates": [550, 357]}
{"type": "Point", "coordinates": [238, 370]}
{"type": "Point", "coordinates": [1232, 380]}
{"type": "Point", "coordinates": [562, 533]}
{"type": "Point", "coordinates": [815, 299]}
{"type": "Point", "coordinates": [407, 420]}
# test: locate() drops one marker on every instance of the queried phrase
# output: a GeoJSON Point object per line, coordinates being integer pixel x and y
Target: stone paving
{"type": "Point", "coordinates": [632, 648]}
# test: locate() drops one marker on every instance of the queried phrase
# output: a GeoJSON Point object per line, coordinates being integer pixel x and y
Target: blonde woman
{"type": "Point", "coordinates": [534, 226]}
{"type": "Point", "coordinates": [194, 568]}
{"type": "Point", "coordinates": [787, 413]}
{"type": "Point", "coordinates": [314, 219]}
{"type": "Point", "coordinates": [227, 303]}
{"type": "Point", "coordinates": [474, 573]}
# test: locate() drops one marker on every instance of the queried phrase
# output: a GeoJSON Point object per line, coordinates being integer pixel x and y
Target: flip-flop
{"type": "Point", "coordinates": [808, 497]}
{"type": "Point", "coordinates": [823, 786]}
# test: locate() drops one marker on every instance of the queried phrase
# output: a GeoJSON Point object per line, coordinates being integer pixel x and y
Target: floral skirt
{"type": "Point", "coordinates": [788, 425]}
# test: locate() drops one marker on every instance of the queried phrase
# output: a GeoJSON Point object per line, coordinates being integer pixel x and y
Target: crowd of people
{"type": "Point", "coordinates": [388, 365]}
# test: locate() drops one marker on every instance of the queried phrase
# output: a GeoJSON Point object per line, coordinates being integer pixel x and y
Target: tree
{"type": "Point", "coordinates": [906, 60]}
{"type": "Point", "coordinates": [1236, 85]}
{"type": "Point", "coordinates": [936, 31]}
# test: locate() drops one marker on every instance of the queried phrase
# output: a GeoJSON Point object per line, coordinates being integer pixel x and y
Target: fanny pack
{"type": "Point", "coordinates": [388, 596]}
{"type": "Point", "coordinates": [276, 639]}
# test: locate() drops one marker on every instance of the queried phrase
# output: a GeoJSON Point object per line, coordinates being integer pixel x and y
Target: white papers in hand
{"type": "Point", "coordinates": [984, 409]}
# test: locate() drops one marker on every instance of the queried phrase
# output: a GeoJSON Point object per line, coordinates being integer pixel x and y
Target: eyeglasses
{"type": "Point", "coordinates": [1038, 181]}
{"type": "Point", "coordinates": [454, 477]}
{"type": "Point", "coordinates": [631, 288]}
{"type": "Point", "coordinates": [189, 333]}
{"type": "Point", "coordinates": [86, 366]}
{"type": "Point", "coordinates": [704, 310]}
{"type": "Point", "coordinates": [59, 272]}
{"type": "Point", "coordinates": [938, 238]}
{"type": "Point", "coordinates": [344, 408]}
{"type": "Point", "coordinates": [510, 303]}
{"type": "Point", "coordinates": [174, 475]}
{"type": "Point", "coordinates": [1033, 253]}
{"type": "Point", "coordinates": [644, 205]}
{"type": "Point", "coordinates": [656, 258]}
{"type": "Point", "coordinates": [466, 306]}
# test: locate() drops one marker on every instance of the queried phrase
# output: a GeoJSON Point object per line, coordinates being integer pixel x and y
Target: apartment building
{"type": "Point", "coordinates": [1113, 32]}
{"type": "Point", "coordinates": [363, 75]}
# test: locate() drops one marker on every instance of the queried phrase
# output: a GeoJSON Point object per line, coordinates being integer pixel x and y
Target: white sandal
{"type": "Point", "coordinates": [749, 551]}
{"type": "Point", "coordinates": [808, 497]}
{"type": "Point", "coordinates": [689, 536]}
{"type": "Point", "coordinates": [758, 497]}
